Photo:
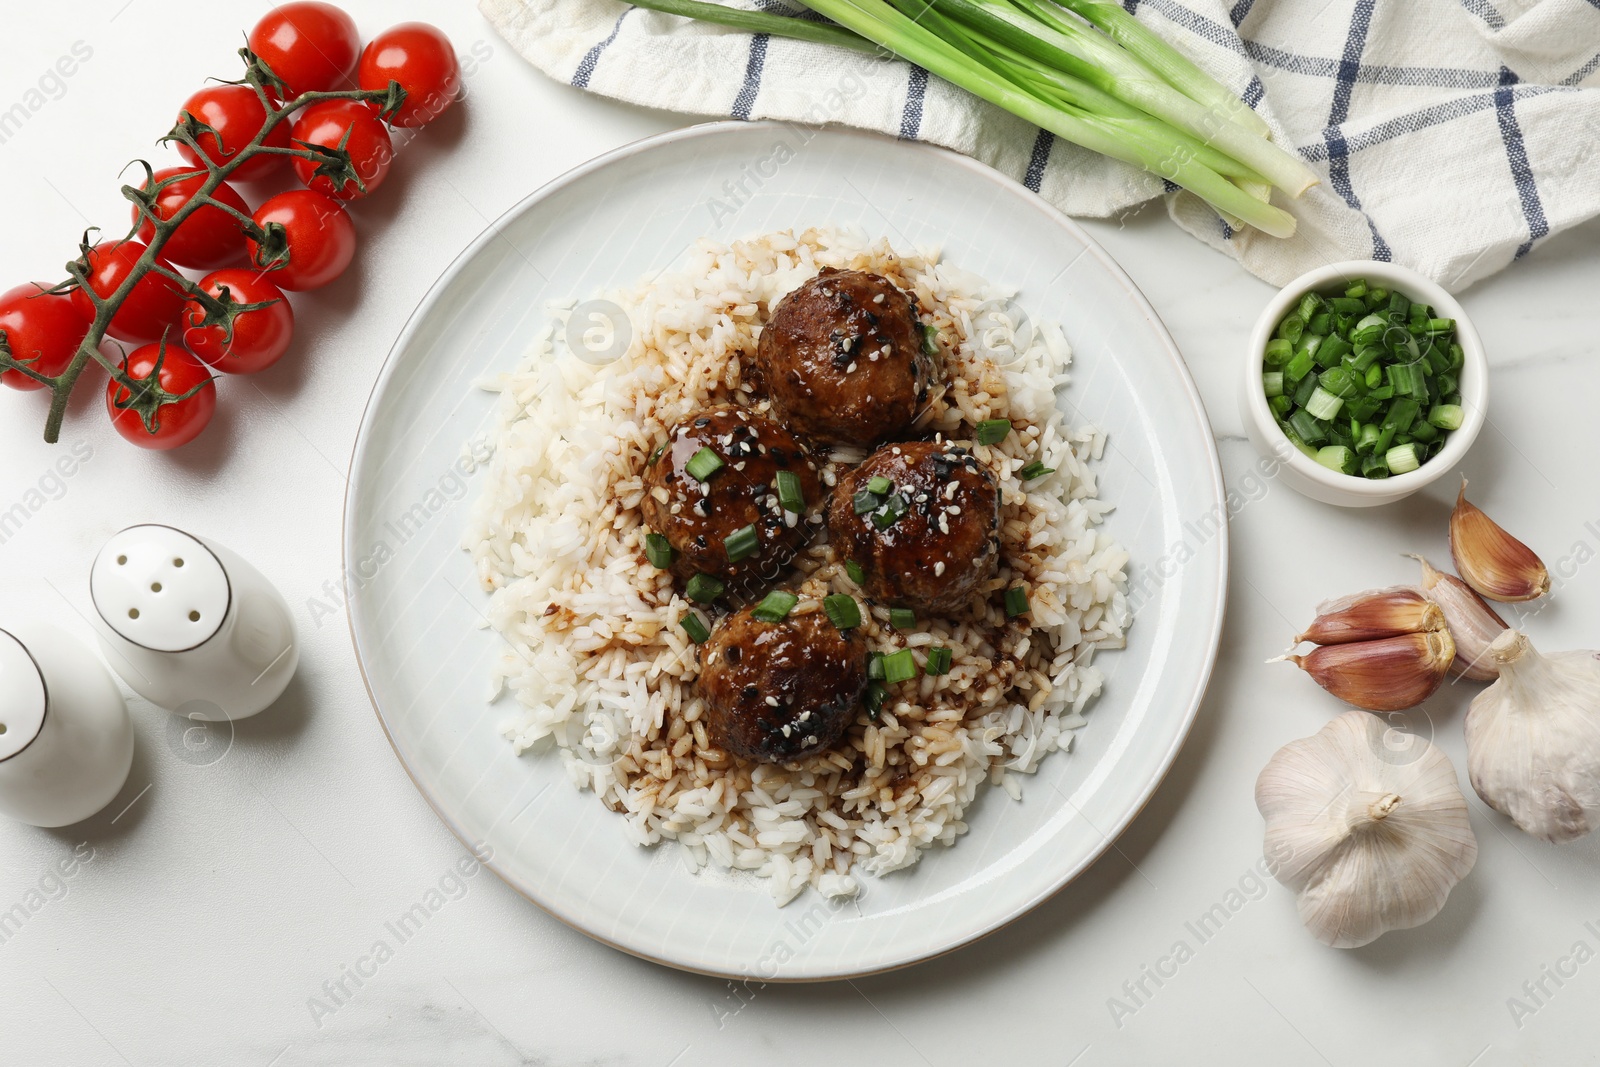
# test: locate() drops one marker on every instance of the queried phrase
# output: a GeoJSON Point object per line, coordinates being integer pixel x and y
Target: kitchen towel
{"type": "Point", "coordinates": [1451, 136]}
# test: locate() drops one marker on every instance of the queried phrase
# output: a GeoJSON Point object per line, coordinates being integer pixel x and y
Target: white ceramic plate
{"type": "Point", "coordinates": [417, 611]}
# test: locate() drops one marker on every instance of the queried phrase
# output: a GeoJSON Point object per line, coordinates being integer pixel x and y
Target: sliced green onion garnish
{"type": "Point", "coordinates": [1278, 352]}
{"type": "Point", "coordinates": [658, 551]}
{"type": "Point", "coordinates": [1039, 470]}
{"type": "Point", "coordinates": [993, 431]}
{"type": "Point", "coordinates": [1016, 602]}
{"type": "Point", "coordinates": [843, 611]}
{"type": "Point", "coordinates": [857, 575]}
{"type": "Point", "coordinates": [874, 697]}
{"type": "Point", "coordinates": [1272, 382]}
{"type": "Point", "coordinates": [1337, 457]}
{"type": "Point", "coordinates": [865, 501]}
{"type": "Point", "coordinates": [655, 454]}
{"type": "Point", "coordinates": [1323, 404]}
{"type": "Point", "coordinates": [879, 485]}
{"type": "Point", "coordinates": [1402, 458]}
{"type": "Point", "coordinates": [899, 666]}
{"type": "Point", "coordinates": [790, 495]}
{"type": "Point", "coordinates": [902, 618]}
{"type": "Point", "coordinates": [703, 589]}
{"type": "Point", "coordinates": [930, 340]}
{"type": "Point", "coordinates": [694, 627]}
{"type": "Point", "coordinates": [741, 543]}
{"type": "Point", "coordinates": [886, 516]}
{"type": "Point", "coordinates": [938, 661]}
{"type": "Point", "coordinates": [1446, 416]}
{"type": "Point", "coordinates": [703, 464]}
{"type": "Point", "coordinates": [875, 666]}
{"type": "Point", "coordinates": [775, 606]}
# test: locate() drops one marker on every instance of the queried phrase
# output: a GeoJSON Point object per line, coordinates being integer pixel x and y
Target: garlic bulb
{"type": "Point", "coordinates": [1490, 560]}
{"type": "Point", "coordinates": [1533, 739]}
{"type": "Point", "coordinates": [1370, 837]}
{"type": "Point", "coordinates": [1473, 623]}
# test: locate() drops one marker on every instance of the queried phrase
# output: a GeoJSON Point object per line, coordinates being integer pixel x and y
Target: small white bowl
{"type": "Point", "coordinates": [1298, 470]}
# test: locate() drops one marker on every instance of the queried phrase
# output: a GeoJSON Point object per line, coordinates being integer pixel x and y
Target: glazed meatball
{"type": "Point", "coordinates": [843, 361]}
{"type": "Point", "coordinates": [777, 691]}
{"type": "Point", "coordinates": [945, 543]}
{"type": "Point", "coordinates": [697, 517]}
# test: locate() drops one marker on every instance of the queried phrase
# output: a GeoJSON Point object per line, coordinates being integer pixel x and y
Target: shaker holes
{"type": "Point", "coordinates": [133, 613]}
{"type": "Point", "coordinates": [194, 616]}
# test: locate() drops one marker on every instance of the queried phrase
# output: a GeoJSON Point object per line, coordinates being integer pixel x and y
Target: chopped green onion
{"type": "Point", "coordinates": [1310, 304]}
{"type": "Point", "coordinates": [1303, 391]}
{"type": "Point", "coordinates": [930, 340]}
{"type": "Point", "coordinates": [875, 667]}
{"type": "Point", "coordinates": [1291, 328]}
{"type": "Point", "coordinates": [889, 514]}
{"type": "Point", "coordinates": [1278, 352]}
{"type": "Point", "coordinates": [879, 485]}
{"type": "Point", "coordinates": [857, 575]}
{"type": "Point", "coordinates": [938, 661]}
{"type": "Point", "coordinates": [703, 464]}
{"type": "Point", "coordinates": [775, 606]}
{"type": "Point", "coordinates": [1280, 405]}
{"type": "Point", "coordinates": [899, 667]}
{"type": "Point", "coordinates": [1039, 470]}
{"type": "Point", "coordinates": [1016, 602]}
{"type": "Point", "coordinates": [843, 611]}
{"type": "Point", "coordinates": [1446, 416]}
{"type": "Point", "coordinates": [694, 627]}
{"type": "Point", "coordinates": [875, 696]}
{"type": "Point", "coordinates": [1323, 404]}
{"type": "Point", "coordinates": [1367, 439]}
{"type": "Point", "coordinates": [902, 618]}
{"type": "Point", "coordinates": [741, 543]}
{"type": "Point", "coordinates": [1337, 457]}
{"type": "Point", "coordinates": [1402, 458]}
{"type": "Point", "coordinates": [1339, 381]}
{"type": "Point", "coordinates": [790, 495]}
{"type": "Point", "coordinates": [993, 431]}
{"type": "Point", "coordinates": [865, 501]}
{"type": "Point", "coordinates": [1357, 290]}
{"type": "Point", "coordinates": [655, 454]}
{"type": "Point", "coordinates": [703, 588]}
{"type": "Point", "coordinates": [658, 551]}
{"type": "Point", "coordinates": [1307, 428]}
{"type": "Point", "coordinates": [1272, 382]}
{"type": "Point", "coordinates": [1299, 366]}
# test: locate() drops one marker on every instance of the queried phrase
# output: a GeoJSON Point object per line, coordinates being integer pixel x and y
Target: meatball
{"type": "Point", "coordinates": [945, 543]}
{"type": "Point", "coordinates": [698, 517]}
{"type": "Point", "coordinates": [842, 359]}
{"type": "Point", "coordinates": [777, 691]}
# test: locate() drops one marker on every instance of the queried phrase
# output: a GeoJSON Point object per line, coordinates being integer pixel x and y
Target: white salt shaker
{"type": "Point", "coordinates": [190, 626]}
{"type": "Point", "coordinates": [66, 742]}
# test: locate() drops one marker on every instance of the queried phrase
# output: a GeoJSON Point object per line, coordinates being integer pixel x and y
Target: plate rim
{"type": "Point", "coordinates": [1211, 457]}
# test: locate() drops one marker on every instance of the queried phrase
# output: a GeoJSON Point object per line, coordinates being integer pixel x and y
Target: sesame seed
{"type": "Point", "coordinates": [851, 367]}
{"type": "Point", "coordinates": [944, 523]}
{"type": "Point", "coordinates": [938, 568]}
{"type": "Point", "coordinates": [785, 729]}
{"type": "Point", "coordinates": [773, 701]}
{"type": "Point", "coordinates": [878, 299]}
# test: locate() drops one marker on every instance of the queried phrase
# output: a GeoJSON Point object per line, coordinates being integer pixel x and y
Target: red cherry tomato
{"type": "Point", "coordinates": [259, 337]}
{"type": "Point", "coordinates": [321, 240]}
{"type": "Point", "coordinates": [353, 127]}
{"type": "Point", "coordinates": [149, 309]}
{"type": "Point", "coordinates": [45, 328]}
{"type": "Point", "coordinates": [177, 422]}
{"type": "Point", "coordinates": [237, 114]}
{"type": "Point", "coordinates": [310, 45]}
{"type": "Point", "coordinates": [422, 60]}
{"type": "Point", "coordinates": [208, 239]}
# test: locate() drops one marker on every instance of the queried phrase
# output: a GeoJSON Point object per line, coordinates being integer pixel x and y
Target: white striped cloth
{"type": "Point", "coordinates": [1451, 135]}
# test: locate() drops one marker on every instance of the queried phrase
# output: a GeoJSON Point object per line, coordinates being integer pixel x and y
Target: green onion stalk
{"type": "Point", "coordinates": [1105, 83]}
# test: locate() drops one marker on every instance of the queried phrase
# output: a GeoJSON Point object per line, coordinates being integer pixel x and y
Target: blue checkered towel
{"type": "Point", "coordinates": [1451, 135]}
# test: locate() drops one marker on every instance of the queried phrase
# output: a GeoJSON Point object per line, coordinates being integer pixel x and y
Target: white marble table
{"type": "Point", "coordinates": [222, 893]}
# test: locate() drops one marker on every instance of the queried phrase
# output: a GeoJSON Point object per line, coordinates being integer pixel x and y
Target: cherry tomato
{"type": "Point", "coordinates": [311, 46]}
{"type": "Point", "coordinates": [422, 60]}
{"type": "Point", "coordinates": [149, 309]}
{"type": "Point", "coordinates": [321, 240]}
{"type": "Point", "coordinates": [43, 327]}
{"type": "Point", "coordinates": [353, 127]}
{"type": "Point", "coordinates": [208, 239]}
{"type": "Point", "coordinates": [237, 114]}
{"type": "Point", "coordinates": [177, 422]}
{"type": "Point", "coordinates": [259, 337]}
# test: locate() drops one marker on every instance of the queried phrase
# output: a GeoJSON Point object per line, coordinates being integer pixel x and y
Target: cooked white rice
{"type": "Point", "coordinates": [600, 669]}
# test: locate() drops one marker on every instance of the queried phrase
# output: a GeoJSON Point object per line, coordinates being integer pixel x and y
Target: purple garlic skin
{"type": "Point", "coordinates": [1471, 621]}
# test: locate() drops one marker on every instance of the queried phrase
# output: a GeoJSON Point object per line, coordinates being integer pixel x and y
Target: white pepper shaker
{"type": "Point", "coordinates": [66, 742]}
{"type": "Point", "coordinates": [190, 626]}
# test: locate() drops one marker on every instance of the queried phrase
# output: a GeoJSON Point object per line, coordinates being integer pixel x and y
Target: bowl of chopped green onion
{"type": "Point", "coordinates": [1364, 382]}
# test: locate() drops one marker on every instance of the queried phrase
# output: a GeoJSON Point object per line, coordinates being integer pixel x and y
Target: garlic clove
{"type": "Point", "coordinates": [1491, 561]}
{"type": "Point", "coordinates": [1533, 739]}
{"type": "Point", "coordinates": [1376, 613]}
{"type": "Point", "coordinates": [1472, 622]}
{"type": "Point", "coordinates": [1367, 843]}
{"type": "Point", "coordinates": [1388, 674]}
